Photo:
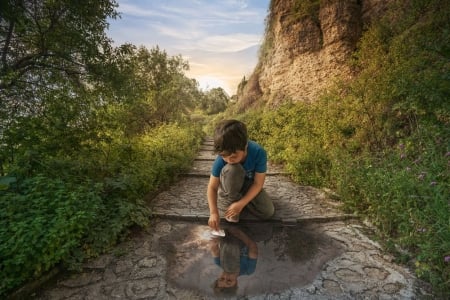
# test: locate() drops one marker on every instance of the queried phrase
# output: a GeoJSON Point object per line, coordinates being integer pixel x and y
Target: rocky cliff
{"type": "Point", "coordinates": [307, 46]}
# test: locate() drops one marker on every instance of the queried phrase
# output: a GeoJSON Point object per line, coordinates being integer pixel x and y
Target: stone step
{"type": "Point", "coordinates": [202, 168]}
{"type": "Point", "coordinates": [205, 155]}
{"type": "Point", "coordinates": [293, 203]}
{"type": "Point", "coordinates": [206, 148]}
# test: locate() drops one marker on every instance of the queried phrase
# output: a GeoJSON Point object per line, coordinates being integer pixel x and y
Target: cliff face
{"type": "Point", "coordinates": [307, 51]}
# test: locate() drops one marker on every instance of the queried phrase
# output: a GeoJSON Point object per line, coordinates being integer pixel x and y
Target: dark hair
{"type": "Point", "coordinates": [230, 136]}
{"type": "Point", "coordinates": [224, 291]}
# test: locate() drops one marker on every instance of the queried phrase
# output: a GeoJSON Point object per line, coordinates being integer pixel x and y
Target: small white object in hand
{"type": "Point", "coordinates": [219, 232]}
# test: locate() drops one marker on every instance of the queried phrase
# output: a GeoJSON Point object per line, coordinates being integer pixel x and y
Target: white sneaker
{"type": "Point", "coordinates": [233, 219]}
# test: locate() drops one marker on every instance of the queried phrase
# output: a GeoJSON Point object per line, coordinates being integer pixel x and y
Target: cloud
{"type": "Point", "coordinates": [175, 32]}
{"type": "Point", "coordinates": [229, 43]}
{"type": "Point", "coordinates": [219, 38]}
{"type": "Point", "coordinates": [132, 10]}
{"type": "Point", "coordinates": [207, 12]}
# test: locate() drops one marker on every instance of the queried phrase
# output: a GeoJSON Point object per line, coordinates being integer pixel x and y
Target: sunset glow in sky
{"type": "Point", "coordinates": [219, 38]}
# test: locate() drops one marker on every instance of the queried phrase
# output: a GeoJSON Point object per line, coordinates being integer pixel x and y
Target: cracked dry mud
{"type": "Point", "coordinates": [311, 251]}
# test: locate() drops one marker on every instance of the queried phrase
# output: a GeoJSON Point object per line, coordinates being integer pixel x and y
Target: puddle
{"type": "Point", "coordinates": [286, 256]}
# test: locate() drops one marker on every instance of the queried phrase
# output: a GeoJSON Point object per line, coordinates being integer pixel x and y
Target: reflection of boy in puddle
{"type": "Point", "coordinates": [236, 254]}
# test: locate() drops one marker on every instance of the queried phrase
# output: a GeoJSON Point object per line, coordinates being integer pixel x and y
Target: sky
{"type": "Point", "coordinates": [219, 38]}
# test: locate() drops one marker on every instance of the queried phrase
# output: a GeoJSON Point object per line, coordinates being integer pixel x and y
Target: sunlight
{"type": "Point", "coordinates": [210, 82]}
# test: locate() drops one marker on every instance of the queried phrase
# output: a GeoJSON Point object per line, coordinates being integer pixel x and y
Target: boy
{"type": "Point", "coordinates": [237, 176]}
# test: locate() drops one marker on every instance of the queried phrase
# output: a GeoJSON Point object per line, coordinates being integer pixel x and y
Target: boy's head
{"type": "Point", "coordinates": [230, 136]}
{"type": "Point", "coordinates": [225, 285]}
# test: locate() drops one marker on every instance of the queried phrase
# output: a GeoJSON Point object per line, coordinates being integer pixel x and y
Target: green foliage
{"type": "Point", "coordinates": [63, 209]}
{"type": "Point", "coordinates": [6, 182]}
{"type": "Point", "coordinates": [405, 193]}
{"type": "Point", "coordinates": [150, 161]}
{"type": "Point", "coordinates": [42, 221]}
{"type": "Point", "coordinates": [267, 46]}
{"type": "Point", "coordinates": [242, 85]}
{"type": "Point", "coordinates": [47, 46]}
{"type": "Point", "coordinates": [214, 101]}
{"type": "Point", "coordinates": [87, 130]}
{"type": "Point", "coordinates": [304, 8]}
{"type": "Point", "coordinates": [289, 136]}
{"type": "Point", "coordinates": [148, 86]}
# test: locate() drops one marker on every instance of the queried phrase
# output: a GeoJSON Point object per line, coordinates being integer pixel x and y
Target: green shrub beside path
{"type": "Point", "coordinates": [46, 220]}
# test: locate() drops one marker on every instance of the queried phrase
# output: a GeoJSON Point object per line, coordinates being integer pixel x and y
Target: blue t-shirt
{"type": "Point", "coordinates": [255, 162]}
{"type": "Point", "coordinates": [247, 264]}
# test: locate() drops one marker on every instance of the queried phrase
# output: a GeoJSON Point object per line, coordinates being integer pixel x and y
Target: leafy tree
{"type": "Point", "coordinates": [63, 86]}
{"type": "Point", "coordinates": [214, 101]}
{"type": "Point", "coordinates": [47, 41]}
{"type": "Point", "coordinates": [149, 86]}
{"type": "Point", "coordinates": [50, 51]}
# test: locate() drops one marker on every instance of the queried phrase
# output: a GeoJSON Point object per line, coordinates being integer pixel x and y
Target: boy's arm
{"type": "Point", "coordinates": [236, 207]}
{"type": "Point", "coordinates": [213, 187]}
{"type": "Point", "coordinates": [214, 244]}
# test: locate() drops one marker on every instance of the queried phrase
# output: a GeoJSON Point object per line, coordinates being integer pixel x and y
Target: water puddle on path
{"type": "Point", "coordinates": [261, 257]}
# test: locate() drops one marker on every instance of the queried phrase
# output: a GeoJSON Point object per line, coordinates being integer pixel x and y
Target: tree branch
{"type": "Point", "coordinates": [7, 43]}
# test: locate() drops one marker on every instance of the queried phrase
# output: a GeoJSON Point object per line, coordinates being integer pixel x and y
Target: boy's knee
{"type": "Point", "coordinates": [233, 170]}
{"type": "Point", "coordinates": [232, 176]}
{"type": "Point", "coordinates": [268, 213]}
{"type": "Point", "coordinates": [263, 211]}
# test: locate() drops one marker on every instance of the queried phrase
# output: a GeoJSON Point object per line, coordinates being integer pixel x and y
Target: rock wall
{"type": "Point", "coordinates": [307, 52]}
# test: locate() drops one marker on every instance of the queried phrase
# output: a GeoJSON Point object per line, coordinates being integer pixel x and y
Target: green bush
{"type": "Point", "coordinates": [41, 223]}
{"type": "Point", "coordinates": [79, 206]}
{"type": "Point", "coordinates": [289, 136]}
{"type": "Point", "coordinates": [405, 193]}
{"type": "Point", "coordinates": [403, 189]}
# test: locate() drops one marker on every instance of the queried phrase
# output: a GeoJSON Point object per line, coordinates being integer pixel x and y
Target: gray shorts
{"type": "Point", "coordinates": [233, 186]}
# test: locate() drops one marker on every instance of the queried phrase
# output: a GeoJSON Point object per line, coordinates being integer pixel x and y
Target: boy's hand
{"type": "Point", "coordinates": [234, 209]}
{"type": "Point", "coordinates": [214, 221]}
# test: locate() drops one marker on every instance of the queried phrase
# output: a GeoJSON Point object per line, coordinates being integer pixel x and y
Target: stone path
{"type": "Point", "coordinates": [352, 266]}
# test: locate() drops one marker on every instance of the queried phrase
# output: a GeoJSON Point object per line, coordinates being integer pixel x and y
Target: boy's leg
{"type": "Point", "coordinates": [231, 180]}
{"type": "Point", "coordinates": [262, 206]}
